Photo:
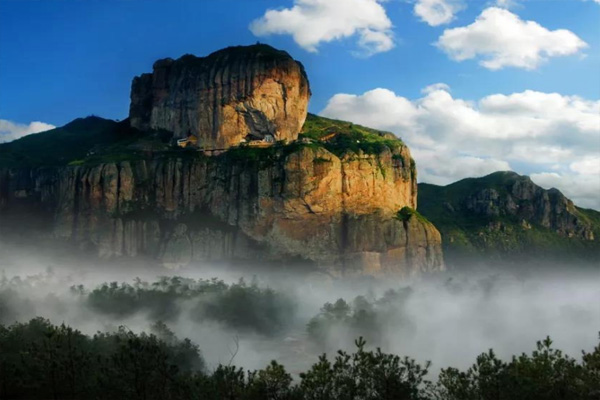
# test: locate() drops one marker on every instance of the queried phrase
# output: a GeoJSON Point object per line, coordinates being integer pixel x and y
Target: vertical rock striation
{"type": "Point", "coordinates": [336, 209]}
{"type": "Point", "coordinates": [224, 97]}
{"type": "Point", "coordinates": [337, 213]}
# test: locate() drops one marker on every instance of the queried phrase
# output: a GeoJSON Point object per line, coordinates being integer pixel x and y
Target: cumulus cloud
{"type": "Point", "coordinates": [434, 87]}
{"type": "Point", "coordinates": [312, 22]}
{"type": "Point", "coordinates": [437, 12]}
{"type": "Point", "coordinates": [11, 130]}
{"type": "Point", "coordinates": [499, 38]}
{"type": "Point", "coordinates": [553, 137]}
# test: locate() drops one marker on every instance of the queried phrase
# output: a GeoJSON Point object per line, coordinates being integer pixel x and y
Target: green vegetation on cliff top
{"type": "Point", "coordinates": [94, 140]}
{"type": "Point", "coordinates": [348, 136]}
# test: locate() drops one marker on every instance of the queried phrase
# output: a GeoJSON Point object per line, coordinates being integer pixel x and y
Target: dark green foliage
{"type": "Point", "coordinates": [90, 141]}
{"type": "Point", "coordinates": [350, 137]}
{"type": "Point", "coordinates": [240, 306]}
{"type": "Point", "coordinates": [248, 307]}
{"type": "Point", "coordinates": [247, 155]}
{"type": "Point", "coordinates": [362, 317]}
{"type": "Point", "coordinates": [365, 375]}
{"type": "Point", "coordinates": [93, 141]}
{"type": "Point", "coordinates": [39, 360]}
{"type": "Point", "coordinates": [546, 374]}
{"type": "Point", "coordinates": [61, 145]}
{"type": "Point", "coordinates": [406, 213]}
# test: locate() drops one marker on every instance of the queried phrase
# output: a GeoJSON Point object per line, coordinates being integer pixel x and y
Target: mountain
{"type": "Point", "coordinates": [506, 217]}
{"type": "Point", "coordinates": [332, 195]}
{"type": "Point", "coordinates": [61, 145]}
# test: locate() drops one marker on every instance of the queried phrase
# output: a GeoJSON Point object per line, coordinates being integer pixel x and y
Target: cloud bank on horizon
{"type": "Point", "coordinates": [553, 138]}
{"type": "Point", "coordinates": [10, 131]}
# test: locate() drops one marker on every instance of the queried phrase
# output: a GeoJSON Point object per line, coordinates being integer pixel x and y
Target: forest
{"type": "Point", "coordinates": [40, 360]}
{"type": "Point", "coordinates": [342, 351]}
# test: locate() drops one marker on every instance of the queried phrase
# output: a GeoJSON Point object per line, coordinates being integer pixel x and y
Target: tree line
{"type": "Point", "coordinates": [39, 360]}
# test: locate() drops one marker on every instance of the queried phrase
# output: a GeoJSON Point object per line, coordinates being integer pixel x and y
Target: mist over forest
{"type": "Point", "coordinates": [289, 219]}
{"type": "Point", "coordinates": [252, 317]}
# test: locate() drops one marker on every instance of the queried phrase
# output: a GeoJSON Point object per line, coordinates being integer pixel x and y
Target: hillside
{"type": "Point", "coordinates": [61, 145]}
{"type": "Point", "coordinates": [506, 217]}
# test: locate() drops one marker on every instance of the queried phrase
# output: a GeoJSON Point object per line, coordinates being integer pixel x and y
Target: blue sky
{"type": "Point", "coordinates": [62, 59]}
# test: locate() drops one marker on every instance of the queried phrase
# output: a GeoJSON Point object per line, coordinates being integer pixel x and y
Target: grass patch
{"type": "Point", "coordinates": [406, 213]}
{"type": "Point", "coordinates": [349, 136]}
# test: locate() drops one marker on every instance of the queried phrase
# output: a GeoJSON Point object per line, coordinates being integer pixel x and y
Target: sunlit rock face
{"type": "Point", "coordinates": [336, 210]}
{"type": "Point", "coordinates": [339, 214]}
{"type": "Point", "coordinates": [224, 97]}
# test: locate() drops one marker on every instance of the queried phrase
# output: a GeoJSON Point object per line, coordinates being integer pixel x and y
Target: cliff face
{"type": "Point", "coordinates": [306, 203]}
{"type": "Point", "coordinates": [507, 215]}
{"type": "Point", "coordinates": [224, 97]}
{"type": "Point", "coordinates": [331, 199]}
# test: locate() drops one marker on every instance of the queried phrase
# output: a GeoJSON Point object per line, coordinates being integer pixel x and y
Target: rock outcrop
{"type": "Point", "coordinates": [224, 97]}
{"type": "Point", "coordinates": [507, 216]}
{"type": "Point", "coordinates": [331, 200]}
{"type": "Point", "coordinates": [338, 213]}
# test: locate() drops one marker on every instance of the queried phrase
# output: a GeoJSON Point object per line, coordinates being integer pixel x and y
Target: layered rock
{"type": "Point", "coordinates": [224, 97]}
{"type": "Point", "coordinates": [301, 203]}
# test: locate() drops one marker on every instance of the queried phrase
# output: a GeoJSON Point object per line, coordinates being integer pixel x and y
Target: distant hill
{"type": "Point", "coordinates": [506, 217]}
{"type": "Point", "coordinates": [91, 140]}
{"type": "Point", "coordinates": [59, 146]}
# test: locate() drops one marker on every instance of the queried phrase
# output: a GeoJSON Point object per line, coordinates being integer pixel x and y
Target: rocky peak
{"type": "Point", "coordinates": [513, 195]}
{"type": "Point", "coordinates": [508, 216]}
{"type": "Point", "coordinates": [224, 97]}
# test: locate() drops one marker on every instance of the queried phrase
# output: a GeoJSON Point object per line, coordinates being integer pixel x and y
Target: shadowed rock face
{"type": "Point", "coordinates": [224, 97]}
{"type": "Point", "coordinates": [337, 213]}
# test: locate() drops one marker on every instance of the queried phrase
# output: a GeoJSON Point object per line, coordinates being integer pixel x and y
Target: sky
{"type": "Point", "coordinates": [472, 86]}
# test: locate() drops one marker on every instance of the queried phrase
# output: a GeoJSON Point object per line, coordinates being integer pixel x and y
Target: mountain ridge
{"type": "Point", "coordinates": [507, 216]}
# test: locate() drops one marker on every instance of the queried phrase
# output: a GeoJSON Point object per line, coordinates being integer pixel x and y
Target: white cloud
{"type": "Point", "coordinates": [437, 12]}
{"type": "Point", "coordinates": [588, 165]}
{"type": "Point", "coordinates": [312, 22]}
{"type": "Point", "coordinates": [11, 130]}
{"type": "Point", "coordinates": [499, 38]}
{"type": "Point", "coordinates": [537, 133]}
{"type": "Point", "coordinates": [434, 87]}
